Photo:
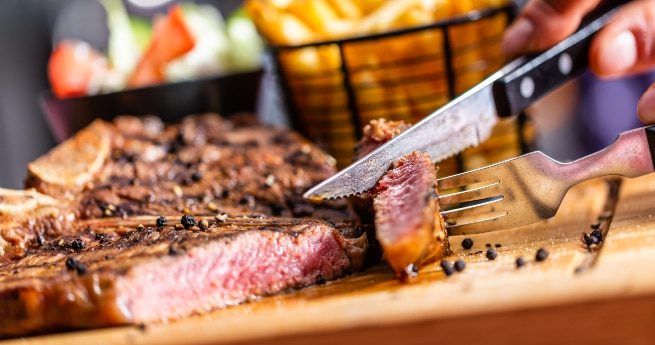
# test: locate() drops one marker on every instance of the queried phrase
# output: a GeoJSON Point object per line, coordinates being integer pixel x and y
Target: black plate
{"type": "Point", "coordinates": [224, 95]}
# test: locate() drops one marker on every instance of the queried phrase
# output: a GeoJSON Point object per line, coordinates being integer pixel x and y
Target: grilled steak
{"type": "Point", "coordinates": [203, 166]}
{"type": "Point", "coordinates": [407, 220]}
{"type": "Point", "coordinates": [403, 205]}
{"type": "Point", "coordinates": [375, 134]}
{"type": "Point", "coordinates": [85, 241]}
{"type": "Point", "coordinates": [100, 277]}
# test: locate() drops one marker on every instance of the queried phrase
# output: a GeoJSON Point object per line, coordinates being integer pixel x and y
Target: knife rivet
{"type": "Point", "coordinates": [565, 63]}
{"type": "Point", "coordinates": [527, 87]}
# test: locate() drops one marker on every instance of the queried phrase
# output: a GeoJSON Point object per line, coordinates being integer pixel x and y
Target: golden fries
{"type": "Point", "coordinates": [400, 77]}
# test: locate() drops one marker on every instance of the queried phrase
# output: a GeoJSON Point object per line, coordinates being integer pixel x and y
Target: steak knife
{"type": "Point", "coordinates": [468, 119]}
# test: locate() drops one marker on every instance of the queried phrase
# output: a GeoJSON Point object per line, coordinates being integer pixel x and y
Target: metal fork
{"type": "Point", "coordinates": [530, 188]}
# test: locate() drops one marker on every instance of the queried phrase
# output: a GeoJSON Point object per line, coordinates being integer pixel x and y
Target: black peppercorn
{"type": "Point", "coordinates": [520, 262]}
{"type": "Point", "coordinates": [589, 240]}
{"type": "Point", "coordinates": [77, 244]}
{"type": "Point", "coordinates": [40, 240]}
{"type": "Point", "coordinates": [467, 243]}
{"type": "Point", "coordinates": [173, 250]}
{"type": "Point", "coordinates": [498, 245]}
{"type": "Point", "coordinates": [447, 268]}
{"type": "Point", "coordinates": [71, 263]}
{"type": "Point", "coordinates": [491, 254]}
{"type": "Point", "coordinates": [161, 222]}
{"type": "Point", "coordinates": [597, 234]}
{"type": "Point", "coordinates": [542, 254]}
{"type": "Point", "coordinates": [75, 265]}
{"type": "Point", "coordinates": [488, 245]}
{"type": "Point", "coordinates": [188, 221]}
{"type": "Point", "coordinates": [196, 176]}
{"type": "Point", "coordinates": [460, 265]}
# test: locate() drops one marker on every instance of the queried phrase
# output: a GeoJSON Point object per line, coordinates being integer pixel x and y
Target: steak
{"type": "Point", "coordinates": [376, 133]}
{"type": "Point", "coordinates": [106, 233]}
{"type": "Point", "coordinates": [204, 166]}
{"type": "Point", "coordinates": [102, 278]}
{"type": "Point", "coordinates": [403, 205]}
{"type": "Point", "coordinates": [407, 220]}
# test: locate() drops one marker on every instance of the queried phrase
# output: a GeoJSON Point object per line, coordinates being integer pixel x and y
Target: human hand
{"type": "Point", "coordinates": [625, 46]}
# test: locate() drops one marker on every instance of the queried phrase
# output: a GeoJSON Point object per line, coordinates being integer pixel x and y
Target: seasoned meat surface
{"type": "Point", "coordinates": [204, 165]}
{"type": "Point", "coordinates": [376, 133]}
{"type": "Point", "coordinates": [119, 272]}
{"type": "Point", "coordinates": [407, 220]}
{"type": "Point", "coordinates": [136, 221]}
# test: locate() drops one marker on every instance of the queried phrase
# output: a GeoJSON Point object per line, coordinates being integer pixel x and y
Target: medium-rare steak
{"type": "Point", "coordinates": [203, 166]}
{"type": "Point", "coordinates": [104, 276]}
{"type": "Point", "coordinates": [88, 241]}
{"type": "Point", "coordinates": [407, 220]}
{"type": "Point", "coordinates": [408, 191]}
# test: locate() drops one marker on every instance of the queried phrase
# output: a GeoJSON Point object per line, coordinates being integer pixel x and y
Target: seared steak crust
{"type": "Point", "coordinates": [407, 220]}
{"type": "Point", "coordinates": [117, 272]}
{"type": "Point", "coordinates": [376, 133]}
{"type": "Point", "coordinates": [203, 166]}
{"type": "Point", "coordinates": [85, 243]}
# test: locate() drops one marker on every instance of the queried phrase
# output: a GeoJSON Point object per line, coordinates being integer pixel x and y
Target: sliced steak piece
{"type": "Point", "coordinates": [407, 220]}
{"type": "Point", "coordinates": [117, 272]}
{"type": "Point", "coordinates": [375, 133]}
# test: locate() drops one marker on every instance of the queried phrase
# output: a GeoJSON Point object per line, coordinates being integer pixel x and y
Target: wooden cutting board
{"type": "Point", "coordinates": [575, 296]}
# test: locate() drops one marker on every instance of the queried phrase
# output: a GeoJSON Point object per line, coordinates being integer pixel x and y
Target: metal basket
{"type": "Point", "coordinates": [333, 88]}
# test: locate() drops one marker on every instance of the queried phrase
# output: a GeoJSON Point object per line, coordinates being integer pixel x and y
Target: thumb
{"type": "Point", "coordinates": [646, 106]}
{"type": "Point", "coordinates": [543, 23]}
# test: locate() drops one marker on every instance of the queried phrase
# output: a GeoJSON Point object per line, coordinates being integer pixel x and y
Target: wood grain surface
{"type": "Point", "coordinates": [574, 297]}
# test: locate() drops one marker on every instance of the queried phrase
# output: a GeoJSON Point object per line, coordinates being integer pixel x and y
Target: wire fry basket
{"type": "Point", "coordinates": [333, 88]}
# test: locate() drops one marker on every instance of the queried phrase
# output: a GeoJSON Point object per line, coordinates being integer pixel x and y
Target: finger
{"type": "Point", "coordinates": [543, 23]}
{"type": "Point", "coordinates": [646, 106]}
{"type": "Point", "coordinates": [627, 44]}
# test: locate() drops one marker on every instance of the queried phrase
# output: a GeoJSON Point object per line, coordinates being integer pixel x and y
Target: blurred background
{"type": "Point", "coordinates": [29, 29]}
{"type": "Point", "coordinates": [581, 117]}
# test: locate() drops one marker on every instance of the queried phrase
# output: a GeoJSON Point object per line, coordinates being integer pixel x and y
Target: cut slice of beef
{"type": "Point", "coordinates": [375, 133]}
{"type": "Point", "coordinates": [117, 272]}
{"type": "Point", "coordinates": [408, 225]}
{"type": "Point", "coordinates": [418, 234]}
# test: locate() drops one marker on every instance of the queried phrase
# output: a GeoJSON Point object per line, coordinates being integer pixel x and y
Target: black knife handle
{"type": "Point", "coordinates": [650, 136]}
{"type": "Point", "coordinates": [548, 70]}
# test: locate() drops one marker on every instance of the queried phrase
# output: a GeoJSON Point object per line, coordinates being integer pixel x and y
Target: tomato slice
{"type": "Point", "coordinates": [71, 67]}
{"type": "Point", "coordinates": [170, 39]}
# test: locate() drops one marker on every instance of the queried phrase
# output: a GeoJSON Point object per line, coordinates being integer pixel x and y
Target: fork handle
{"type": "Point", "coordinates": [631, 155]}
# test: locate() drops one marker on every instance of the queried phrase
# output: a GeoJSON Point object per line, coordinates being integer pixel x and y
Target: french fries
{"type": "Point", "coordinates": [400, 77]}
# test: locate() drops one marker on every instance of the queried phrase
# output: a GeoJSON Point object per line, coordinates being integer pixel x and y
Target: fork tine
{"type": "Point", "coordinates": [480, 225]}
{"type": "Point", "coordinates": [486, 174]}
{"type": "Point", "coordinates": [475, 208]}
{"type": "Point", "coordinates": [477, 193]}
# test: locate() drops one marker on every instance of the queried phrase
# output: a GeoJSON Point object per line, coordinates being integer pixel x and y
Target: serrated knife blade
{"type": "Point", "coordinates": [464, 122]}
